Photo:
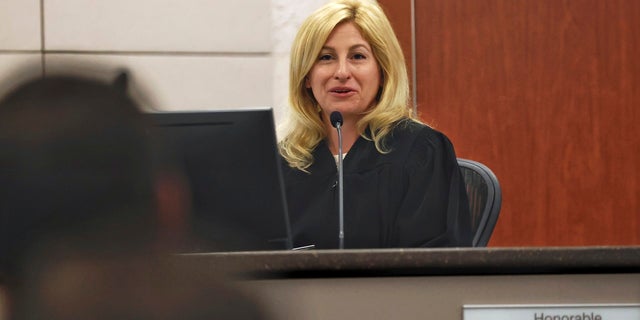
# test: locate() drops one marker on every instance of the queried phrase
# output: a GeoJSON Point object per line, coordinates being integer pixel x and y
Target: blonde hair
{"type": "Point", "coordinates": [306, 129]}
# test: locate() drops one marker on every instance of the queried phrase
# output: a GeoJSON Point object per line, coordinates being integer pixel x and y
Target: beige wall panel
{"type": "Point", "coordinates": [18, 67]}
{"type": "Point", "coordinates": [19, 25]}
{"type": "Point", "coordinates": [181, 82]}
{"type": "Point", "coordinates": [158, 25]}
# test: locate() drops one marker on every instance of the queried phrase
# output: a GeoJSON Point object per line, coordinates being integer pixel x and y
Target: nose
{"type": "Point", "coordinates": [342, 71]}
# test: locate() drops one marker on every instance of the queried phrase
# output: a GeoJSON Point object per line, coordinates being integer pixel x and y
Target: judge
{"type": "Point", "coordinates": [402, 184]}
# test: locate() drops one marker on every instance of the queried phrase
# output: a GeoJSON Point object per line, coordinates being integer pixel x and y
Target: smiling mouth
{"type": "Point", "coordinates": [341, 90]}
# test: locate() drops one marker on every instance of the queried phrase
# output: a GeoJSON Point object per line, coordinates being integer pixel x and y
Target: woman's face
{"type": "Point", "coordinates": [346, 75]}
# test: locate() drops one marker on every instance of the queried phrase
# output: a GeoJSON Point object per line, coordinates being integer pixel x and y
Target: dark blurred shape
{"type": "Point", "coordinates": [74, 162]}
{"type": "Point", "coordinates": [86, 209]}
{"type": "Point", "coordinates": [121, 82]}
{"type": "Point", "coordinates": [94, 287]}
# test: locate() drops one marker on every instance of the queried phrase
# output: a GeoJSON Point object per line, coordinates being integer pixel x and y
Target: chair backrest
{"type": "Point", "coordinates": [485, 199]}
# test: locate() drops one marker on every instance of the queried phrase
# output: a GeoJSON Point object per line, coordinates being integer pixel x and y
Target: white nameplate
{"type": "Point", "coordinates": [552, 312]}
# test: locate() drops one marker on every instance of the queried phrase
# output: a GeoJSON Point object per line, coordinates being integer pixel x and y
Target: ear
{"type": "Point", "coordinates": [121, 81]}
{"type": "Point", "coordinates": [307, 83]}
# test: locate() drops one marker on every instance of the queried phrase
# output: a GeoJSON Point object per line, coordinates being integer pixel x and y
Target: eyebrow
{"type": "Point", "coordinates": [353, 47]}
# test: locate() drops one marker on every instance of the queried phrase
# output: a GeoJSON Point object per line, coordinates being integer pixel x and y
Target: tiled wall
{"type": "Point", "coordinates": [182, 54]}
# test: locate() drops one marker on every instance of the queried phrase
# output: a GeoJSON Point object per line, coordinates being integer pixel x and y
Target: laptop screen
{"type": "Point", "coordinates": [231, 161]}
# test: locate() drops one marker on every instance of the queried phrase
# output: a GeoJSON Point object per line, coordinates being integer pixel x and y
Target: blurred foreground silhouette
{"type": "Point", "coordinates": [88, 217]}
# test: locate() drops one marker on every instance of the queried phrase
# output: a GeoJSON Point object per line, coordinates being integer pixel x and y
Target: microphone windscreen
{"type": "Point", "coordinates": [336, 118]}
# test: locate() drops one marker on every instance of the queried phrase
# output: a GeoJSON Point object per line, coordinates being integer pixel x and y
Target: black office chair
{"type": "Point", "coordinates": [485, 199]}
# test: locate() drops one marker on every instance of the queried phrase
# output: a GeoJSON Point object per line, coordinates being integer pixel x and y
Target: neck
{"type": "Point", "coordinates": [349, 135]}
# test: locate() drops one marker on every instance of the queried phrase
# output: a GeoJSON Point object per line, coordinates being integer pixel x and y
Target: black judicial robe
{"type": "Point", "coordinates": [413, 196]}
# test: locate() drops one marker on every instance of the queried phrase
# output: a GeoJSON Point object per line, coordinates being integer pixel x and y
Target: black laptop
{"type": "Point", "coordinates": [231, 161]}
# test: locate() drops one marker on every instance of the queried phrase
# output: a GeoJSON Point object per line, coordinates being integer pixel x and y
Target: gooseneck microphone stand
{"type": "Point", "coordinates": [336, 121]}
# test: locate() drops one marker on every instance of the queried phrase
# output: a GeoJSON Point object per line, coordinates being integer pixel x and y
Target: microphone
{"type": "Point", "coordinates": [336, 119]}
{"type": "Point", "coordinates": [336, 122]}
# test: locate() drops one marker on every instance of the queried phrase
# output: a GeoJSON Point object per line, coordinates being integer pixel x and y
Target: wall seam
{"type": "Point", "coordinates": [414, 60]}
{"type": "Point", "coordinates": [42, 39]}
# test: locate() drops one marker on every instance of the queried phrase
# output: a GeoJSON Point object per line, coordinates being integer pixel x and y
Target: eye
{"type": "Point", "coordinates": [325, 57]}
{"type": "Point", "coordinates": [359, 56]}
